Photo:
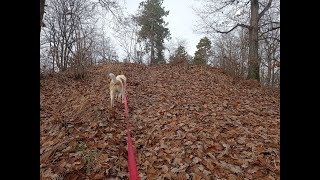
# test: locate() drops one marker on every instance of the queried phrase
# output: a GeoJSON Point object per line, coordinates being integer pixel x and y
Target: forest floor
{"type": "Point", "coordinates": [195, 123]}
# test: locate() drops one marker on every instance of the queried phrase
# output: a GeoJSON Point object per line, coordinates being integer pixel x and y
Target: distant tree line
{"type": "Point", "coordinates": [242, 37]}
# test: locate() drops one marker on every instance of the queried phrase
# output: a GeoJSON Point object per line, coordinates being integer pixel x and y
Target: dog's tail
{"type": "Point", "coordinates": [123, 79]}
{"type": "Point", "coordinates": [113, 77]}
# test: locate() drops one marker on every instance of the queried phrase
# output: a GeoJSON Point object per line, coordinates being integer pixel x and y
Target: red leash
{"type": "Point", "coordinates": [133, 172]}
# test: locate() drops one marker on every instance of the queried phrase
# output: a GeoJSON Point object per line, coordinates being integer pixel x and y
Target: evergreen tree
{"type": "Point", "coordinates": [153, 28]}
{"type": "Point", "coordinates": [201, 56]}
{"type": "Point", "coordinates": [180, 55]}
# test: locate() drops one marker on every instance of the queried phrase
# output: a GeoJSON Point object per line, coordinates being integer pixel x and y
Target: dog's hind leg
{"type": "Point", "coordinates": [111, 99]}
{"type": "Point", "coordinates": [112, 106]}
{"type": "Point", "coordinates": [122, 95]}
{"type": "Point", "coordinates": [119, 97]}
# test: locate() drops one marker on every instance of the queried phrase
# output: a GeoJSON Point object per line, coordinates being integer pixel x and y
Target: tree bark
{"type": "Point", "coordinates": [42, 3]}
{"type": "Point", "coordinates": [253, 62]}
{"type": "Point", "coordinates": [269, 70]}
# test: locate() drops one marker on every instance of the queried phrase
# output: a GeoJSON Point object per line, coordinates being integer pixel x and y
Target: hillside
{"type": "Point", "coordinates": [185, 124]}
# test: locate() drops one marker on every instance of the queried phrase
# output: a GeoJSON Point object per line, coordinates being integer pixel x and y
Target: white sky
{"type": "Point", "coordinates": [181, 20]}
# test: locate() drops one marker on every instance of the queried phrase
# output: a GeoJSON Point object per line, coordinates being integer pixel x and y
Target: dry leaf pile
{"type": "Point", "coordinates": [186, 123]}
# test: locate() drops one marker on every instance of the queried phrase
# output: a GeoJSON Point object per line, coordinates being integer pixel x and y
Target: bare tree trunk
{"type": "Point", "coordinates": [152, 53]}
{"type": "Point", "coordinates": [272, 78]}
{"type": "Point", "coordinates": [253, 63]}
{"type": "Point", "coordinates": [269, 66]}
{"type": "Point", "coordinates": [42, 3]}
{"type": "Point", "coordinates": [269, 74]}
{"type": "Point", "coordinates": [65, 57]}
{"type": "Point", "coordinates": [52, 65]}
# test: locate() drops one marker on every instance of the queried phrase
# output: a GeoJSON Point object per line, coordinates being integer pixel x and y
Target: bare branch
{"type": "Point", "coordinates": [268, 23]}
{"type": "Point", "coordinates": [241, 25]}
{"type": "Point", "coordinates": [109, 5]}
{"type": "Point", "coordinates": [265, 9]}
{"type": "Point", "coordinates": [269, 37]}
{"type": "Point", "coordinates": [225, 5]}
{"type": "Point", "coordinates": [272, 29]}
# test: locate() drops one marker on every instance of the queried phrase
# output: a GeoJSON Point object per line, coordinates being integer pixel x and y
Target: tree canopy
{"type": "Point", "coordinates": [153, 28]}
{"type": "Point", "coordinates": [201, 56]}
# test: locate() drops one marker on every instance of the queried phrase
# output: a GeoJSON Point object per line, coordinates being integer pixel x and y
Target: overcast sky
{"type": "Point", "coordinates": [181, 20]}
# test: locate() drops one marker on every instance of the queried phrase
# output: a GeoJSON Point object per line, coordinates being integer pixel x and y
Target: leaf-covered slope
{"type": "Point", "coordinates": [194, 123]}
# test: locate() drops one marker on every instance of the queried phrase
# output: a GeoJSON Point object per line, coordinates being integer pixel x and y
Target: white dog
{"type": "Point", "coordinates": [116, 88]}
